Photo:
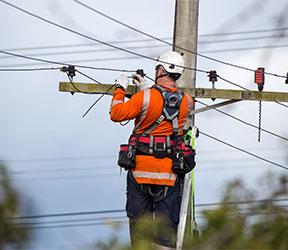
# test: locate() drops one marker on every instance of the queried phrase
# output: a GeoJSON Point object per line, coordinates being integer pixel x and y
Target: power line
{"type": "Point", "coordinates": [86, 51]}
{"type": "Point", "coordinates": [239, 86]}
{"type": "Point", "coordinates": [39, 216]}
{"type": "Point", "coordinates": [77, 225]}
{"type": "Point", "coordinates": [143, 47]}
{"type": "Point", "coordinates": [112, 167]}
{"type": "Point", "coordinates": [122, 219]}
{"type": "Point", "coordinates": [30, 69]}
{"type": "Point", "coordinates": [110, 156]}
{"type": "Point", "coordinates": [244, 122]}
{"type": "Point", "coordinates": [246, 48]}
{"type": "Point", "coordinates": [123, 58]}
{"type": "Point", "coordinates": [92, 38]}
{"type": "Point", "coordinates": [112, 211]}
{"type": "Point", "coordinates": [127, 51]}
{"type": "Point", "coordinates": [170, 44]}
{"type": "Point", "coordinates": [286, 106]}
{"type": "Point", "coordinates": [246, 32]}
{"type": "Point", "coordinates": [131, 47]}
{"type": "Point", "coordinates": [62, 63]}
{"type": "Point", "coordinates": [244, 151]}
{"type": "Point", "coordinates": [72, 220]}
{"type": "Point", "coordinates": [59, 46]}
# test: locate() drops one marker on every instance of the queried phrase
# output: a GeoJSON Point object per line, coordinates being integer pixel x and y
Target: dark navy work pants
{"type": "Point", "coordinates": [154, 202]}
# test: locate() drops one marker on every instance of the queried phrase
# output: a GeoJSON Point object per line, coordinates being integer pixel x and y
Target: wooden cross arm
{"type": "Point", "coordinates": [91, 88]}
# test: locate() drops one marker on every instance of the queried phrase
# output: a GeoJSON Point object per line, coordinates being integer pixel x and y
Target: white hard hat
{"type": "Point", "coordinates": [172, 62]}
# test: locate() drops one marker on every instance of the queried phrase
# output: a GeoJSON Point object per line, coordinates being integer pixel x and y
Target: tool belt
{"type": "Point", "coordinates": [183, 156]}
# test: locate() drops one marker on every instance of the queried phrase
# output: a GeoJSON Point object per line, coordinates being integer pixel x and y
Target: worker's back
{"type": "Point", "coordinates": [147, 106]}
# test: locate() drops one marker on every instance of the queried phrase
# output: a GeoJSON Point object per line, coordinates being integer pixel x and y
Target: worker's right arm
{"type": "Point", "coordinates": [120, 110]}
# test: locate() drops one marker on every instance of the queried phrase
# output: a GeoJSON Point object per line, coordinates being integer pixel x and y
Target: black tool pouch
{"type": "Point", "coordinates": [183, 160]}
{"type": "Point", "coordinates": [127, 155]}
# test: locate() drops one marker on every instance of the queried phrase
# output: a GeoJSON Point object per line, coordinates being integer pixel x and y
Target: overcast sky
{"type": "Point", "coordinates": [76, 169]}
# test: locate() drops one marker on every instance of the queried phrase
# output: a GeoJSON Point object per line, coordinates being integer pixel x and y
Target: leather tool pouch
{"type": "Point", "coordinates": [127, 155]}
{"type": "Point", "coordinates": [183, 160]}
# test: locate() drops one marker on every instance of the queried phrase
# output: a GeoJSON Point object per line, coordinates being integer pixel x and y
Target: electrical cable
{"type": "Point", "coordinates": [92, 38]}
{"type": "Point", "coordinates": [286, 106]}
{"type": "Point", "coordinates": [232, 83]}
{"type": "Point", "coordinates": [72, 220]}
{"type": "Point", "coordinates": [134, 47]}
{"type": "Point", "coordinates": [131, 58]}
{"type": "Point", "coordinates": [112, 211]}
{"type": "Point", "coordinates": [244, 151]}
{"type": "Point", "coordinates": [40, 216]}
{"type": "Point", "coordinates": [244, 122]}
{"type": "Point", "coordinates": [146, 40]}
{"type": "Point", "coordinates": [72, 83]}
{"type": "Point", "coordinates": [125, 123]}
{"type": "Point", "coordinates": [63, 63]}
{"type": "Point", "coordinates": [89, 77]}
{"type": "Point", "coordinates": [31, 69]}
{"type": "Point", "coordinates": [87, 51]}
{"type": "Point", "coordinates": [170, 44]}
{"type": "Point", "coordinates": [110, 167]}
{"type": "Point", "coordinates": [237, 85]}
{"type": "Point", "coordinates": [127, 51]}
{"type": "Point", "coordinates": [122, 218]}
{"type": "Point", "coordinates": [100, 97]}
{"type": "Point", "coordinates": [78, 225]}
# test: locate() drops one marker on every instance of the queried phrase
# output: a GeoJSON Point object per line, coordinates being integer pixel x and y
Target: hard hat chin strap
{"type": "Point", "coordinates": [161, 76]}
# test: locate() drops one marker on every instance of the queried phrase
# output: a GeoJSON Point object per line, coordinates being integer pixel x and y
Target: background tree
{"type": "Point", "coordinates": [243, 222]}
{"type": "Point", "coordinates": [247, 218]}
{"type": "Point", "coordinates": [12, 234]}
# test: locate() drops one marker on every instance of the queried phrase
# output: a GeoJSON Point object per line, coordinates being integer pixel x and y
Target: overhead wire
{"type": "Point", "coordinates": [239, 86]}
{"type": "Point", "coordinates": [61, 63]}
{"type": "Point", "coordinates": [131, 58]}
{"type": "Point", "coordinates": [112, 211]}
{"type": "Point", "coordinates": [116, 47]}
{"type": "Point", "coordinates": [170, 44]}
{"type": "Point", "coordinates": [244, 122]}
{"type": "Point", "coordinates": [129, 47]}
{"type": "Point", "coordinates": [244, 151]}
{"type": "Point", "coordinates": [144, 40]}
{"type": "Point", "coordinates": [31, 69]}
{"type": "Point", "coordinates": [111, 220]}
{"type": "Point", "coordinates": [92, 38]}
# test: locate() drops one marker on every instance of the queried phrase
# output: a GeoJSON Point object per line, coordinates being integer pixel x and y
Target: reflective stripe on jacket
{"type": "Point", "coordinates": [146, 106]}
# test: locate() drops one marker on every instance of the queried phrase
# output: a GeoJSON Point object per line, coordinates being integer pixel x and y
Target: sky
{"type": "Point", "coordinates": [64, 163]}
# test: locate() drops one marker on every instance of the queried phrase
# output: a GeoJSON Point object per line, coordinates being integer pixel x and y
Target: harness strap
{"type": "Point", "coordinates": [154, 125]}
{"type": "Point", "coordinates": [151, 144]}
{"type": "Point", "coordinates": [175, 125]}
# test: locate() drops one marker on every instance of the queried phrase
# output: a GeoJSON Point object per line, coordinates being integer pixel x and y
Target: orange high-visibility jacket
{"type": "Point", "coordinates": [146, 106]}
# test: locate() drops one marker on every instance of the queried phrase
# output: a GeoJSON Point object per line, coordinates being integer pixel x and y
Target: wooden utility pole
{"type": "Point", "coordinates": [186, 36]}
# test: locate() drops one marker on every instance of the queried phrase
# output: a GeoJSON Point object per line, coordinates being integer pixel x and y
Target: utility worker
{"type": "Point", "coordinates": [154, 155]}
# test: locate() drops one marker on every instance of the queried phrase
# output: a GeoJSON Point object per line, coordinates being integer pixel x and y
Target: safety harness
{"type": "Point", "coordinates": [159, 146]}
{"type": "Point", "coordinates": [171, 146]}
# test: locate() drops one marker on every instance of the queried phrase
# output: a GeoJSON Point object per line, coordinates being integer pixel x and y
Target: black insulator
{"type": "Point", "coordinates": [212, 76]}
{"type": "Point", "coordinates": [260, 87]}
{"type": "Point", "coordinates": [140, 72]}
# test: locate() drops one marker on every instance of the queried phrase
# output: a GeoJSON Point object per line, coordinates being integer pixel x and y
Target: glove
{"type": "Point", "coordinates": [140, 82]}
{"type": "Point", "coordinates": [122, 82]}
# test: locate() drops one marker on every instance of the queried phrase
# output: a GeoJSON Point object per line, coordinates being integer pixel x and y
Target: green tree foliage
{"type": "Point", "coordinates": [246, 219]}
{"type": "Point", "coordinates": [243, 222]}
{"type": "Point", "coordinates": [12, 234]}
